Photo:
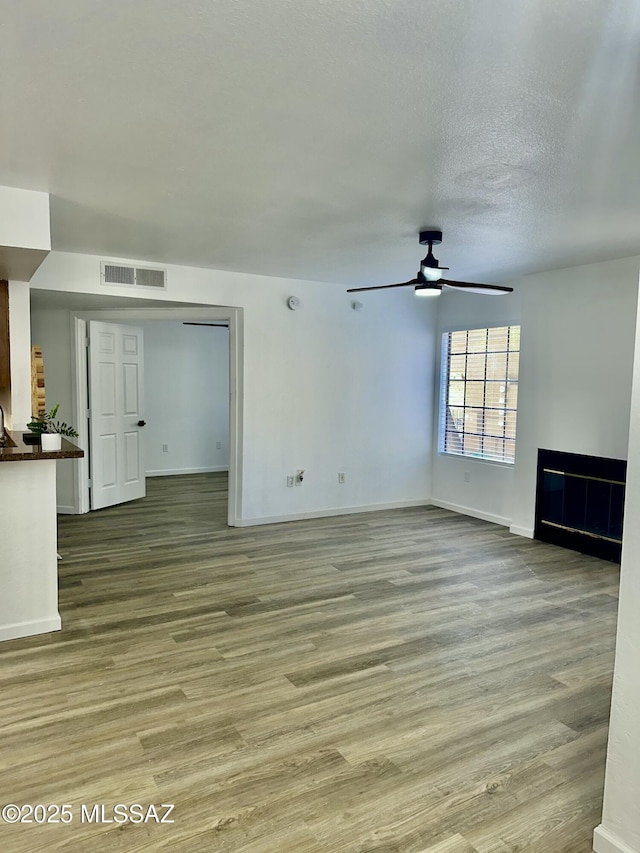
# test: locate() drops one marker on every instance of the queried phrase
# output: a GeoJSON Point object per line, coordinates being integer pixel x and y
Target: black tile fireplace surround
{"type": "Point", "coordinates": [580, 502]}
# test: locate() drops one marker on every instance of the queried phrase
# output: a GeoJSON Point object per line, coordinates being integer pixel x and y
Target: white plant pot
{"type": "Point", "coordinates": [50, 441]}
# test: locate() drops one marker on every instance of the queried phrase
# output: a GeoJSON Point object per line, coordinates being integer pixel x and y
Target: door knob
{"type": "Point", "coordinates": [142, 423]}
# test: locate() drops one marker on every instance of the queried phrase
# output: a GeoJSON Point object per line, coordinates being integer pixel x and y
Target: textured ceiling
{"type": "Point", "coordinates": [314, 139]}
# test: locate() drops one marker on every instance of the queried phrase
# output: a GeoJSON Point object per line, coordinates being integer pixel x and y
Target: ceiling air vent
{"type": "Point", "coordinates": [148, 277]}
{"type": "Point", "coordinates": [112, 274]}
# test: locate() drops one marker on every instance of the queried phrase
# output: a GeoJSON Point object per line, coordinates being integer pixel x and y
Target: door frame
{"type": "Point", "coordinates": [80, 402]}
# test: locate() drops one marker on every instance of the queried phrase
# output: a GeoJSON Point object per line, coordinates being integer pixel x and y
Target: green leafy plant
{"type": "Point", "coordinates": [49, 423]}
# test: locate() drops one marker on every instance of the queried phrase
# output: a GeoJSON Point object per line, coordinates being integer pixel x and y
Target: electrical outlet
{"type": "Point", "coordinates": [467, 476]}
{"type": "Point", "coordinates": [165, 448]}
{"type": "Point", "coordinates": [299, 476]}
{"type": "Point", "coordinates": [289, 481]}
{"type": "Point", "coordinates": [341, 477]}
{"type": "Point", "coordinates": [218, 445]}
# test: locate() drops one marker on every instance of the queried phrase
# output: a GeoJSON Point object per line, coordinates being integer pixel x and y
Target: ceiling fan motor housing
{"type": "Point", "coordinates": [430, 237]}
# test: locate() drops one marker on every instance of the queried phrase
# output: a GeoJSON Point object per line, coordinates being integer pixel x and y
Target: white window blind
{"type": "Point", "coordinates": [479, 392]}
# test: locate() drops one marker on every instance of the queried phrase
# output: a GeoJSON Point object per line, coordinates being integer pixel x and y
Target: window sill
{"type": "Point", "coordinates": [480, 459]}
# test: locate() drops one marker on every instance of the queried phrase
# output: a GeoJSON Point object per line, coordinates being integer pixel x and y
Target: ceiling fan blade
{"type": "Point", "coordinates": [382, 286]}
{"type": "Point", "coordinates": [221, 325]}
{"type": "Point", "coordinates": [473, 287]}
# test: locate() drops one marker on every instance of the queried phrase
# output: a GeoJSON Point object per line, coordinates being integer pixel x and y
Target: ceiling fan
{"type": "Point", "coordinates": [429, 281]}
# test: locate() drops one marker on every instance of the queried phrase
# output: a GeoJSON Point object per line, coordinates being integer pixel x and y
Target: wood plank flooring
{"type": "Point", "coordinates": [410, 680]}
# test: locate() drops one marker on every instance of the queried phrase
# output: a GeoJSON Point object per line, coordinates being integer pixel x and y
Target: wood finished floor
{"type": "Point", "coordinates": [410, 680]}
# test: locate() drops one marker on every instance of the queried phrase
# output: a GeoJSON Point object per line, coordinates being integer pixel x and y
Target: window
{"type": "Point", "coordinates": [479, 393]}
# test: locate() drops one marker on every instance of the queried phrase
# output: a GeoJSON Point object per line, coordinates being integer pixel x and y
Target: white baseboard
{"type": "Point", "coordinates": [29, 629]}
{"type": "Point", "coordinates": [521, 531]}
{"type": "Point", "coordinates": [606, 842]}
{"type": "Point", "coordinates": [475, 513]}
{"type": "Point", "coordinates": [65, 510]}
{"type": "Point", "coordinates": [171, 472]}
{"type": "Point", "coordinates": [326, 513]}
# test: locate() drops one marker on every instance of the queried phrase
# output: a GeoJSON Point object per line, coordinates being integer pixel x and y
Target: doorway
{"type": "Point", "coordinates": [233, 318]}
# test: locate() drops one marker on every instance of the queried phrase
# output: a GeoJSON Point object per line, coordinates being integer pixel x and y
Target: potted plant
{"type": "Point", "coordinates": [50, 430]}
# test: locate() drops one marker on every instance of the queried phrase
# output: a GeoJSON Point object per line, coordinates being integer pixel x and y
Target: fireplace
{"type": "Point", "coordinates": [580, 502]}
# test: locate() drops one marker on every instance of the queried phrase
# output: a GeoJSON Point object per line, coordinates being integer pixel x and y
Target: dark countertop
{"type": "Point", "coordinates": [18, 451]}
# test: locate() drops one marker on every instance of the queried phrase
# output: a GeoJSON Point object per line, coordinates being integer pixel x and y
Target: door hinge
{"type": "Point", "coordinates": [90, 483]}
{"type": "Point", "coordinates": [86, 342]}
{"type": "Point", "coordinates": [88, 413]}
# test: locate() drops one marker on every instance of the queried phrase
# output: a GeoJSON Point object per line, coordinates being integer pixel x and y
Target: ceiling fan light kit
{"type": "Point", "coordinates": [429, 281]}
{"type": "Point", "coordinates": [429, 289]}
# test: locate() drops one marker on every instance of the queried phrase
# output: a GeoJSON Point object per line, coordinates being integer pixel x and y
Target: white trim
{"type": "Point", "coordinates": [236, 415]}
{"type": "Point", "coordinates": [521, 531]}
{"type": "Point", "coordinates": [79, 404]}
{"type": "Point", "coordinates": [605, 841]}
{"type": "Point", "coordinates": [30, 629]}
{"type": "Point", "coordinates": [326, 513]}
{"type": "Point", "coordinates": [171, 472]}
{"type": "Point", "coordinates": [475, 513]}
{"type": "Point", "coordinates": [65, 510]}
{"type": "Point", "coordinates": [235, 318]}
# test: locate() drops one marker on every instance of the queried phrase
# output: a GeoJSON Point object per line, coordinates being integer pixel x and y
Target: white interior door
{"type": "Point", "coordinates": [116, 404]}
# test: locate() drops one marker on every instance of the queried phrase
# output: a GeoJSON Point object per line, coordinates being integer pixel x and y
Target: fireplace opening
{"type": "Point", "coordinates": [580, 502]}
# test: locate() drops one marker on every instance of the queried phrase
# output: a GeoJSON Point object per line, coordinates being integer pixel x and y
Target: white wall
{"type": "Point", "coordinates": [329, 389]}
{"type": "Point", "coordinates": [24, 225]}
{"type": "Point", "coordinates": [52, 331]}
{"type": "Point", "coordinates": [577, 343]}
{"type": "Point", "coordinates": [24, 218]}
{"type": "Point", "coordinates": [28, 566]}
{"type": "Point", "coordinates": [620, 828]}
{"type": "Point", "coordinates": [186, 390]}
{"type": "Point", "coordinates": [20, 354]}
{"type": "Point", "coordinates": [326, 388]}
{"type": "Point", "coordinates": [488, 492]}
